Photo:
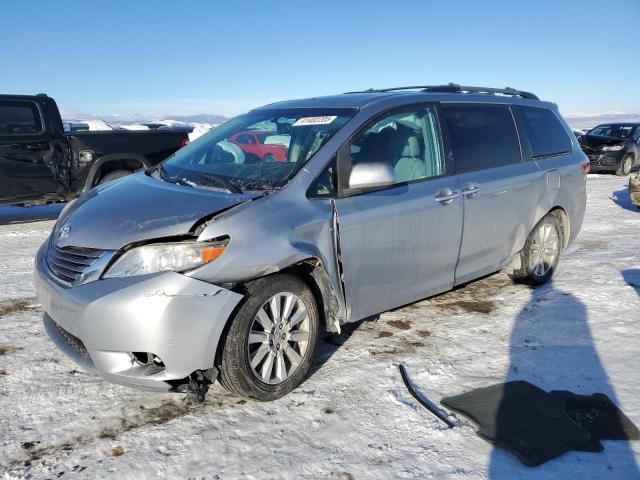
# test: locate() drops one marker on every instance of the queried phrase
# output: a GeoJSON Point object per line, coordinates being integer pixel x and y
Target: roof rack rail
{"type": "Point", "coordinates": [455, 88]}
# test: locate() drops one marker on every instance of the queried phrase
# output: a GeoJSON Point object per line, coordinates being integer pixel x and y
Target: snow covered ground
{"type": "Point", "coordinates": [352, 418]}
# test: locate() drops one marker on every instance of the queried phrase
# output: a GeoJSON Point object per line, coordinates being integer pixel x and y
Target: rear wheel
{"type": "Point", "coordinates": [269, 158]}
{"type": "Point", "coordinates": [625, 166]}
{"type": "Point", "coordinates": [271, 340]}
{"type": "Point", "coordinates": [114, 175]}
{"type": "Point", "coordinates": [541, 252]}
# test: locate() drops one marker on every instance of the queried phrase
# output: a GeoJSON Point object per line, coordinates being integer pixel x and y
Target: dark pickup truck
{"type": "Point", "coordinates": [40, 163]}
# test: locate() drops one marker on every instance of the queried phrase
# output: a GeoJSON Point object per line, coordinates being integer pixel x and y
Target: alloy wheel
{"type": "Point", "coordinates": [278, 338]}
{"type": "Point", "coordinates": [544, 250]}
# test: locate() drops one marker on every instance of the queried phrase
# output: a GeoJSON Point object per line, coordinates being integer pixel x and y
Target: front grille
{"type": "Point", "coordinates": [69, 263]}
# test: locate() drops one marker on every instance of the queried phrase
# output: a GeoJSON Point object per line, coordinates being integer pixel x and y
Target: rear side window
{"type": "Point", "coordinates": [482, 136]}
{"type": "Point", "coordinates": [19, 118]}
{"type": "Point", "coordinates": [546, 134]}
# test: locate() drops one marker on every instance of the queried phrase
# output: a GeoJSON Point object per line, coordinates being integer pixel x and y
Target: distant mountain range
{"type": "Point", "coordinates": [576, 120]}
{"type": "Point", "coordinates": [589, 120]}
{"type": "Point", "coordinates": [201, 118]}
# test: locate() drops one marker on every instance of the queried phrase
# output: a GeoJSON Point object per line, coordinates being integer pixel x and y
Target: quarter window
{"type": "Point", "coordinates": [409, 141]}
{"type": "Point", "coordinates": [546, 134]}
{"type": "Point", "coordinates": [482, 136]}
{"type": "Point", "coordinates": [19, 118]}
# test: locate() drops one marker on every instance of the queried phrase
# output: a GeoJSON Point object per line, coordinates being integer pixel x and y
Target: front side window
{"type": "Point", "coordinates": [259, 151]}
{"type": "Point", "coordinates": [546, 134]}
{"type": "Point", "coordinates": [19, 118]}
{"type": "Point", "coordinates": [409, 141]}
{"type": "Point", "coordinates": [482, 136]}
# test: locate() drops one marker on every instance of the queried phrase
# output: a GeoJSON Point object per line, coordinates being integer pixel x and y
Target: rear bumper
{"type": "Point", "coordinates": [99, 324]}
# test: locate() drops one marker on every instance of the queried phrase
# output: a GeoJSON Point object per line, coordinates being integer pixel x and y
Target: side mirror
{"type": "Point", "coordinates": [371, 175]}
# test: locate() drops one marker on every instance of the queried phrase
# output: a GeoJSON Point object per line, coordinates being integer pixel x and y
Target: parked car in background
{"type": "Point", "coordinates": [262, 145]}
{"type": "Point", "coordinates": [42, 163]}
{"type": "Point", "coordinates": [612, 147]}
{"type": "Point", "coordinates": [230, 270]}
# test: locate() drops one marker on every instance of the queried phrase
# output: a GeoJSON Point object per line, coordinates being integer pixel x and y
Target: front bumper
{"type": "Point", "coordinates": [609, 161]}
{"type": "Point", "coordinates": [99, 324]}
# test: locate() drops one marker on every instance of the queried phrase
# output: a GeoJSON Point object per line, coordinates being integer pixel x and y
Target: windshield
{"type": "Point", "coordinates": [259, 151]}
{"type": "Point", "coordinates": [620, 131]}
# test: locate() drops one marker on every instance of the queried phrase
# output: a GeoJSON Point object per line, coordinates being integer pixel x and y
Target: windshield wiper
{"type": "Point", "coordinates": [226, 184]}
{"type": "Point", "coordinates": [230, 187]}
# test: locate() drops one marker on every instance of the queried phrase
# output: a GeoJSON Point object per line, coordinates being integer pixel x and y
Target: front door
{"type": "Point", "coordinates": [25, 154]}
{"type": "Point", "coordinates": [399, 244]}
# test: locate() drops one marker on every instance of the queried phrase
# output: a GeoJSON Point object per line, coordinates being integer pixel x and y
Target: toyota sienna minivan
{"type": "Point", "coordinates": [217, 264]}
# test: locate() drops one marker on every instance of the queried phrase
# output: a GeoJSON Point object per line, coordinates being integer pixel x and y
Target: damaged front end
{"type": "Point", "coordinates": [155, 332]}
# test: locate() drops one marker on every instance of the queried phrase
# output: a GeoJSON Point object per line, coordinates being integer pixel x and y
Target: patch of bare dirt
{"type": "Point", "coordinates": [163, 413]}
{"type": "Point", "coordinates": [399, 324]}
{"type": "Point", "coordinates": [424, 333]}
{"type": "Point", "coordinates": [7, 349]}
{"type": "Point", "coordinates": [475, 297]}
{"type": "Point", "coordinates": [404, 348]}
{"type": "Point", "coordinates": [385, 334]}
{"type": "Point", "coordinates": [16, 306]}
{"type": "Point", "coordinates": [117, 451]}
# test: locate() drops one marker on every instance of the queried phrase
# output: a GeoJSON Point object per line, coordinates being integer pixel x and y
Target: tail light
{"type": "Point", "coordinates": [585, 167]}
{"type": "Point", "coordinates": [184, 142]}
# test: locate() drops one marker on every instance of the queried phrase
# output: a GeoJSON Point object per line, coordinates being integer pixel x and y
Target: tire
{"type": "Point", "coordinates": [536, 269]}
{"type": "Point", "coordinates": [625, 166]}
{"type": "Point", "coordinates": [269, 158]}
{"type": "Point", "coordinates": [114, 175]}
{"type": "Point", "coordinates": [268, 379]}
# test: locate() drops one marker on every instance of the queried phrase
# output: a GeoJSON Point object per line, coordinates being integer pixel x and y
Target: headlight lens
{"type": "Point", "coordinates": [612, 148]}
{"type": "Point", "coordinates": [177, 257]}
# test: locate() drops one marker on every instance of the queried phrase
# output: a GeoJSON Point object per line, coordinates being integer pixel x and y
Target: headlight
{"type": "Point", "coordinates": [178, 257]}
{"type": "Point", "coordinates": [612, 148]}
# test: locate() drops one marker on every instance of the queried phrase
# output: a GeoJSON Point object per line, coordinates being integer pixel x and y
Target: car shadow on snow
{"type": "Point", "coordinates": [632, 277]}
{"type": "Point", "coordinates": [551, 346]}
{"type": "Point", "coordinates": [622, 199]}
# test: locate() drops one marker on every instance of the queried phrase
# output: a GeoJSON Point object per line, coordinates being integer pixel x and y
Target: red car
{"type": "Point", "coordinates": [262, 145]}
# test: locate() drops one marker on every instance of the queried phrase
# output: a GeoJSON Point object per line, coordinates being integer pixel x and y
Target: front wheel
{"type": "Point", "coordinates": [270, 343]}
{"type": "Point", "coordinates": [625, 166]}
{"type": "Point", "coordinates": [541, 252]}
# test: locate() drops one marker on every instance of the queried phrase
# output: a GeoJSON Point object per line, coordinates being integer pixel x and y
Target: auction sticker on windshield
{"type": "Point", "coordinates": [325, 120]}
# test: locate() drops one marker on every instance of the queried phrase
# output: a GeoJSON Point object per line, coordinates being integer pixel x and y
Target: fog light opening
{"type": "Point", "coordinates": [150, 360]}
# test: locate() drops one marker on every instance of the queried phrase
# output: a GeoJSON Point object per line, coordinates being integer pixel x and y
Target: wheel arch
{"type": "Point", "coordinates": [313, 274]}
{"type": "Point", "coordinates": [114, 161]}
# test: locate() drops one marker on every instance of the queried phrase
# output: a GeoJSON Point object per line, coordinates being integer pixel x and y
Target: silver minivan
{"type": "Point", "coordinates": [229, 259]}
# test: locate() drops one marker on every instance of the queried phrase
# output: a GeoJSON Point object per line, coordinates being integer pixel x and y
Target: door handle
{"type": "Point", "coordinates": [470, 190]}
{"type": "Point", "coordinates": [446, 196]}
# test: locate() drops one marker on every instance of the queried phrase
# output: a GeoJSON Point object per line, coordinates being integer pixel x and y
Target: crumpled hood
{"type": "Point", "coordinates": [137, 208]}
{"type": "Point", "coordinates": [596, 140]}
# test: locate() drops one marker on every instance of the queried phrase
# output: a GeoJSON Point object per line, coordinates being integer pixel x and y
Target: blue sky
{"type": "Point", "coordinates": [156, 58]}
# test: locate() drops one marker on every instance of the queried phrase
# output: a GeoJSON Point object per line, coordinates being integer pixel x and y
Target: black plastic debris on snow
{"type": "Point", "coordinates": [538, 426]}
{"type": "Point", "coordinates": [425, 402]}
{"type": "Point", "coordinates": [598, 415]}
{"type": "Point", "coordinates": [521, 418]}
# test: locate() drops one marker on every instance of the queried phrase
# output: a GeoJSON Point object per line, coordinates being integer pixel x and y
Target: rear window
{"type": "Point", "coordinates": [19, 118]}
{"type": "Point", "coordinates": [482, 136]}
{"type": "Point", "coordinates": [547, 136]}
